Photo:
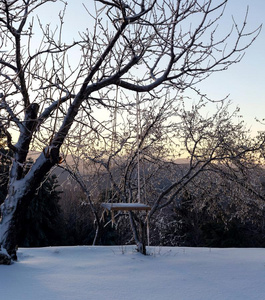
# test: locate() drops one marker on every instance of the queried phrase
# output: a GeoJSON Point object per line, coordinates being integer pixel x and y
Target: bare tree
{"type": "Point", "coordinates": [137, 46]}
{"type": "Point", "coordinates": [217, 143]}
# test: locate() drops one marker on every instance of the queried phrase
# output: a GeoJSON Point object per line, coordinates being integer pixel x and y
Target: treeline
{"type": "Point", "coordinates": [204, 215]}
{"type": "Point", "coordinates": [62, 217]}
{"type": "Point", "coordinates": [215, 209]}
{"type": "Point", "coordinates": [211, 211]}
{"type": "Point", "coordinates": [59, 217]}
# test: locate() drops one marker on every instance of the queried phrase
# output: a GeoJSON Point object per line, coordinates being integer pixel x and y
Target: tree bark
{"type": "Point", "coordinates": [139, 234]}
{"type": "Point", "coordinates": [20, 194]}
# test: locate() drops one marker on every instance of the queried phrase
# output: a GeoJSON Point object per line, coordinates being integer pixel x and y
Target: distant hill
{"type": "Point", "coordinates": [65, 178]}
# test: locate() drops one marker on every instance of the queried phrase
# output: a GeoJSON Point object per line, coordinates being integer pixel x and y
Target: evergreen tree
{"type": "Point", "coordinates": [4, 167]}
{"type": "Point", "coordinates": [43, 222]}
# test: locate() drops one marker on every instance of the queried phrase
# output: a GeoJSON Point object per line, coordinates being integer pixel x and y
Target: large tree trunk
{"type": "Point", "coordinates": [11, 220]}
{"type": "Point", "coordinates": [9, 229]}
{"type": "Point", "coordinates": [20, 193]}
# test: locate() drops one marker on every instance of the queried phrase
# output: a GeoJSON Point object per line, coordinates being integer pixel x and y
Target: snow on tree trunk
{"type": "Point", "coordinates": [5, 258]}
{"type": "Point", "coordinates": [20, 194]}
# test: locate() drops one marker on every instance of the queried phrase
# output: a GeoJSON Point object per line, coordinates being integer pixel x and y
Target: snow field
{"type": "Point", "coordinates": [168, 273]}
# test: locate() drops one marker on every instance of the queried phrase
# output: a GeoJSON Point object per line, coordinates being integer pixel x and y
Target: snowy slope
{"type": "Point", "coordinates": [73, 273]}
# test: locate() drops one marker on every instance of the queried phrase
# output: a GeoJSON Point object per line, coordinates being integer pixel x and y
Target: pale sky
{"type": "Point", "coordinates": [244, 82]}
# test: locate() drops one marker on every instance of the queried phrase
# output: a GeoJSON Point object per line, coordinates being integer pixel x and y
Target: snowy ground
{"type": "Point", "coordinates": [120, 273]}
